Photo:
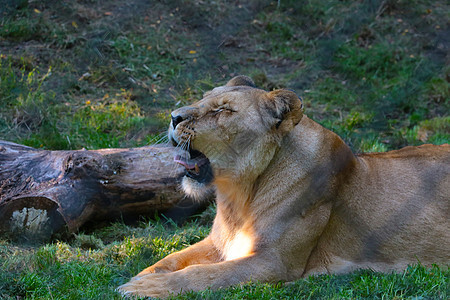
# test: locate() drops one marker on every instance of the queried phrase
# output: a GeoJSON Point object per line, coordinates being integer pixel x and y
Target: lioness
{"type": "Point", "coordinates": [292, 198]}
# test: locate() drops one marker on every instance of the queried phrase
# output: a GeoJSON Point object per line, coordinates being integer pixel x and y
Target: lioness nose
{"type": "Point", "coordinates": [176, 120]}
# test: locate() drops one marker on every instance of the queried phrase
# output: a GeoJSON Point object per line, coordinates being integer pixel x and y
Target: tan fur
{"type": "Point", "coordinates": [293, 200]}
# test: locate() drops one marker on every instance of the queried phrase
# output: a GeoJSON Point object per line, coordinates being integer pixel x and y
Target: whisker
{"type": "Point", "coordinates": [183, 144]}
{"type": "Point", "coordinates": [160, 137]}
{"type": "Point", "coordinates": [180, 146]}
{"type": "Point", "coordinates": [189, 143]}
{"type": "Point", "coordinates": [185, 147]}
{"type": "Point", "coordinates": [164, 138]}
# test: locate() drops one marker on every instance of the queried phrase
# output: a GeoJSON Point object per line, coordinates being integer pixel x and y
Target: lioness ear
{"type": "Point", "coordinates": [241, 80]}
{"type": "Point", "coordinates": [286, 107]}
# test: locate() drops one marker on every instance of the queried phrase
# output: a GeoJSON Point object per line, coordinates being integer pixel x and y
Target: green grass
{"type": "Point", "coordinates": [415, 282]}
{"type": "Point", "coordinates": [378, 59]}
{"type": "Point", "coordinates": [91, 266]}
{"type": "Point", "coordinates": [94, 74]}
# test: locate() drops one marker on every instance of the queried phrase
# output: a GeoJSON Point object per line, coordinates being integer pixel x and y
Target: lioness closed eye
{"type": "Point", "coordinates": [292, 198]}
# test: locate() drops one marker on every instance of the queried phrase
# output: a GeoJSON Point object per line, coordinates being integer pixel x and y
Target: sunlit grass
{"type": "Point", "coordinates": [91, 266]}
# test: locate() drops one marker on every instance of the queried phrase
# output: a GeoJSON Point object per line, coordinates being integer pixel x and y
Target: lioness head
{"type": "Point", "coordinates": [233, 132]}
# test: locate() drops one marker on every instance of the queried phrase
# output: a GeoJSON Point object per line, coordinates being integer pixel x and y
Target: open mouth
{"type": "Point", "coordinates": [197, 166]}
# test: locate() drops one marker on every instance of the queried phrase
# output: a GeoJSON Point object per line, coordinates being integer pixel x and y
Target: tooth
{"type": "Point", "coordinates": [197, 169]}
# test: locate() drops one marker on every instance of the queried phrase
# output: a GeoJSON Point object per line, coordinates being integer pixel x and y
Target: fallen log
{"type": "Point", "coordinates": [45, 193]}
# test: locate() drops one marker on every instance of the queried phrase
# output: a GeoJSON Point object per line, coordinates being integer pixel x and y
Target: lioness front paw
{"type": "Point", "coordinates": [157, 285]}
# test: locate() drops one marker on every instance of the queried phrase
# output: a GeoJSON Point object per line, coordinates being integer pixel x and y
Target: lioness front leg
{"type": "Point", "coordinates": [202, 252]}
{"type": "Point", "coordinates": [200, 277]}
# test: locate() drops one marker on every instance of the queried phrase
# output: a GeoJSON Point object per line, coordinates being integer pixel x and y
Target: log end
{"type": "Point", "coordinates": [31, 220]}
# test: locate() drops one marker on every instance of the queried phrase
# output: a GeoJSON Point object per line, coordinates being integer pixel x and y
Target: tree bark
{"type": "Point", "coordinates": [46, 193]}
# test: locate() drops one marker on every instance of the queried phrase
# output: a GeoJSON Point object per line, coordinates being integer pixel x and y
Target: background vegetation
{"type": "Point", "coordinates": [96, 74]}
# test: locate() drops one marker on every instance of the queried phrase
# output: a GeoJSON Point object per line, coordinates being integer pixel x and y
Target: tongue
{"type": "Point", "coordinates": [190, 164]}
